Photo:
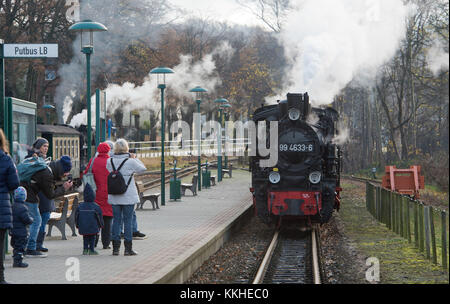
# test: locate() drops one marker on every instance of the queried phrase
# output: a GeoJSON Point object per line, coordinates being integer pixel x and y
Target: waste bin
{"type": "Point", "coordinates": [206, 176]}
{"type": "Point", "coordinates": [175, 184]}
{"type": "Point", "coordinates": [206, 179]}
{"type": "Point", "coordinates": [175, 188]}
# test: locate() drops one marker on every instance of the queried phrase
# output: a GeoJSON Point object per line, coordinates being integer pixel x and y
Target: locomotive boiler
{"type": "Point", "coordinates": [304, 184]}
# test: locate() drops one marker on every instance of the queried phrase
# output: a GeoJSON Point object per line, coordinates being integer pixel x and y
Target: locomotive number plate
{"type": "Point", "coordinates": [308, 147]}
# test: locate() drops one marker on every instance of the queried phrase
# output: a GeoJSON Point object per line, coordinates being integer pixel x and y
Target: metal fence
{"type": "Point", "coordinates": [149, 149]}
{"type": "Point", "coordinates": [426, 226]}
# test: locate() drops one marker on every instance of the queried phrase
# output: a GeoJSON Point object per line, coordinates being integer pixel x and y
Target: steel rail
{"type": "Point", "coordinates": [266, 260]}
{"type": "Point", "coordinates": [315, 257]}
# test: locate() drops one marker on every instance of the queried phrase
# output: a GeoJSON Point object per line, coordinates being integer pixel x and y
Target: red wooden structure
{"type": "Point", "coordinates": [404, 181]}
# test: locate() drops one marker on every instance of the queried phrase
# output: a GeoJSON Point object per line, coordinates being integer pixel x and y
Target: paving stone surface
{"type": "Point", "coordinates": [174, 231]}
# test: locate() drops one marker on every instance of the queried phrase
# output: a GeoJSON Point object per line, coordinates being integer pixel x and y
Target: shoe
{"type": "Point", "coordinates": [42, 249]}
{"type": "Point", "coordinates": [34, 254]}
{"type": "Point", "coordinates": [85, 251]}
{"type": "Point", "coordinates": [93, 252]}
{"type": "Point", "coordinates": [20, 264]}
{"type": "Point", "coordinates": [116, 247]}
{"type": "Point", "coordinates": [138, 235]}
{"type": "Point", "coordinates": [129, 248]}
{"type": "Point", "coordinates": [106, 247]}
{"type": "Point", "coordinates": [40, 241]}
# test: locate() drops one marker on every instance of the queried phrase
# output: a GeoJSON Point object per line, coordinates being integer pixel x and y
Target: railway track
{"type": "Point", "coordinates": [291, 258]}
{"type": "Point", "coordinates": [152, 179]}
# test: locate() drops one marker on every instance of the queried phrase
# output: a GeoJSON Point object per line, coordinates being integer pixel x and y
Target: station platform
{"type": "Point", "coordinates": [181, 234]}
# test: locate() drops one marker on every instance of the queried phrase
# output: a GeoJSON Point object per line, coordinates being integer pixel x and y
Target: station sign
{"type": "Point", "coordinates": [30, 50]}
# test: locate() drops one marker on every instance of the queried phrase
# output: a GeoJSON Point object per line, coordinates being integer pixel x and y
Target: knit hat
{"type": "Point", "coordinates": [38, 143]}
{"type": "Point", "coordinates": [88, 194]}
{"type": "Point", "coordinates": [20, 194]}
{"type": "Point", "coordinates": [66, 163]}
{"type": "Point", "coordinates": [103, 148]}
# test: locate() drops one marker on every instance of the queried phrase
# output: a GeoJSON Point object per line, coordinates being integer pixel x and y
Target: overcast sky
{"type": "Point", "coordinates": [220, 10]}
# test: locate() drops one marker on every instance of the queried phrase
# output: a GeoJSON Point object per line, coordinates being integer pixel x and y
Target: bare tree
{"type": "Point", "coordinates": [271, 12]}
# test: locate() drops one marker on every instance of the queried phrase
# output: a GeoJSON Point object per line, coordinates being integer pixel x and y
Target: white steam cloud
{"type": "Point", "coordinates": [187, 74]}
{"type": "Point", "coordinates": [437, 58]}
{"type": "Point", "coordinates": [327, 43]}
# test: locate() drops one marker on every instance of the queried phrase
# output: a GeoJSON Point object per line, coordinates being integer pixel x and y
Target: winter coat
{"type": "Point", "coordinates": [44, 181]}
{"type": "Point", "coordinates": [9, 181]}
{"type": "Point", "coordinates": [88, 216]}
{"type": "Point", "coordinates": [101, 178]}
{"type": "Point", "coordinates": [131, 166]}
{"type": "Point", "coordinates": [21, 219]}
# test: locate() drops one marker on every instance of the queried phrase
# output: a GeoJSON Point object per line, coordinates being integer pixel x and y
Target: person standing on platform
{"type": "Point", "coordinates": [46, 205]}
{"type": "Point", "coordinates": [89, 220]}
{"type": "Point", "coordinates": [44, 180]}
{"type": "Point", "coordinates": [19, 233]}
{"type": "Point", "coordinates": [101, 195]}
{"type": "Point", "coordinates": [9, 181]}
{"type": "Point", "coordinates": [123, 204]}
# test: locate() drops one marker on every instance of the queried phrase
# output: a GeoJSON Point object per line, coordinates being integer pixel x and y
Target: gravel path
{"type": "Point", "coordinates": [237, 260]}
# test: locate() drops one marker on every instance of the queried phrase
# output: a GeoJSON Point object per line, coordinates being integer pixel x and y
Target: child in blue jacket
{"type": "Point", "coordinates": [19, 232]}
{"type": "Point", "coordinates": [89, 220]}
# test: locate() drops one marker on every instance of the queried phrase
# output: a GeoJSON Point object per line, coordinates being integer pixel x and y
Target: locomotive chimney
{"type": "Point", "coordinates": [306, 107]}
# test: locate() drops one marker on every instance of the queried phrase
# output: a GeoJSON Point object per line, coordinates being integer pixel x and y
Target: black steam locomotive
{"type": "Point", "coordinates": [304, 184]}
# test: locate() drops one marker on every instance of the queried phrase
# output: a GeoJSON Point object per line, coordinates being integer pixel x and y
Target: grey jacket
{"type": "Point", "coordinates": [131, 166]}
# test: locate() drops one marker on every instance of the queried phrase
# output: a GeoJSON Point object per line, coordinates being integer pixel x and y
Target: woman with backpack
{"type": "Point", "coordinates": [46, 205]}
{"type": "Point", "coordinates": [9, 181]}
{"type": "Point", "coordinates": [122, 193]}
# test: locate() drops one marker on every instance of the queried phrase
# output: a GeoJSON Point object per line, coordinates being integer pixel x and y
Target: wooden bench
{"type": "Point", "coordinates": [152, 197]}
{"type": "Point", "coordinates": [64, 214]}
{"type": "Point", "coordinates": [192, 186]}
{"type": "Point", "coordinates": [228, 171]}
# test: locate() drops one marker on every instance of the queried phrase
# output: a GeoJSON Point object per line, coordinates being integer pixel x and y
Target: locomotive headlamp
{"type": "Point", "coordinates": [294, 114]}
{"type": "Point", "coordinates": [274, 177]}
{"type": "Point", "coordinates": [314, 177]}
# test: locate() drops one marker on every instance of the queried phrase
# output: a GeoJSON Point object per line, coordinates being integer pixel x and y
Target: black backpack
{"type": "Point", "coordinates": [116, 182]}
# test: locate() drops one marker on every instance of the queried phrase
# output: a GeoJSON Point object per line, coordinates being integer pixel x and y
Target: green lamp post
{"type": "Point", "coordinates": [225, 107]}
{"type": "Point", "coordinates": [88, 26]}
{"type": "Point", "coordinates": [161, 74]}
{"type": "Point", "coordinates": [220, 102]}
{"type": "Point", "coordinates": [48, 108]}
{"type": "Point", "coordinates": [198, 99]}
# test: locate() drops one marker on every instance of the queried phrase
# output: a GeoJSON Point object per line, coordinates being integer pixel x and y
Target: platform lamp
{"type": "Point", "coordinates": [48, 108]}
{"type": "Point", "coordinates": [198, 99]}
{"type": "Point", "coordinates": [220, 102]}
{"type": "Point", "coordinates": [161, 75]}
{"type": "Point", "coordinates": [225, 107]}
{"type": "Point", "coordinates": [87, 47]}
